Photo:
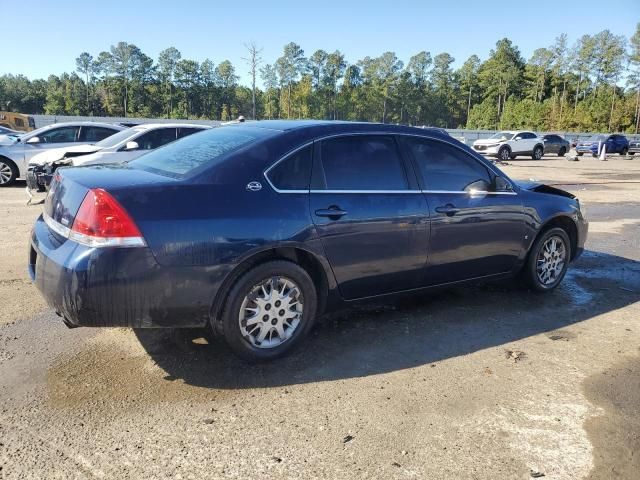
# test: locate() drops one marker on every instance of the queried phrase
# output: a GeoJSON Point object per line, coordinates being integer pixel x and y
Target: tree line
{"type": "Point", "coordinates": [592, 85]}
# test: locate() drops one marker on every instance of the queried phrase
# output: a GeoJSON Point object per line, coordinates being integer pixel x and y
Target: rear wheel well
{"type": "Point", "coordinates": [568, 226]}
{"type": "Point", "coordinates": [295, 255]}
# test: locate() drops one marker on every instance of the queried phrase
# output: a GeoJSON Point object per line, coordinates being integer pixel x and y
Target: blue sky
{"type": "Point", "coordinates": [53, 33]}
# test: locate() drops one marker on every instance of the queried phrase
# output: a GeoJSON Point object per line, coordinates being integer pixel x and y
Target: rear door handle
{"type": "Point", "coordinates": [447, 209]}
{"type": "Point", "coordinates": [333, 212]}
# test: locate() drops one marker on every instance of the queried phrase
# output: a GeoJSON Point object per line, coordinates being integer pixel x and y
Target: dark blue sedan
{"type": "Point", "coordinates": [256, 229]}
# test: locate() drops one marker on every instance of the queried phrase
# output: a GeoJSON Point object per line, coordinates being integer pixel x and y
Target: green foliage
{"type": "Point", "coordinates": [560, 87]}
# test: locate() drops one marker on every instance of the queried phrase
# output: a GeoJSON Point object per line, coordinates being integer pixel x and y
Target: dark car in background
{"type": "Point", "coordinates": [634, 146]}
{"type": "Point", "coordinates": [257, 229]}
{"type": "Point", "coordinates": [614, 143]}
{"type": "Point", "coordinates": [556, 144]}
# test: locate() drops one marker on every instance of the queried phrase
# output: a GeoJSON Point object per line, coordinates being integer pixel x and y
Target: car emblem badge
{"type": "Point", "coordinates": [254, 186]}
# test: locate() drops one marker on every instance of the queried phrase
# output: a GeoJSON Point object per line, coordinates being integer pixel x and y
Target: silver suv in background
{"type": "Point", "coordinates": [17, 151]}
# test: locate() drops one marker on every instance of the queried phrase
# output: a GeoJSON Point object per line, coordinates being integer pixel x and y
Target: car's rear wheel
{"type": "Point", "coordinates": [624, 151]}
{"type": "Point", "coordinates": [8, 172]}
{"type": "Point", "coordinates": [504, 153]}
{"type": "Point", "coordinates": [580, 154]}
{"type": "Point", "coordinates": [548, 260]}
{"type": "Point", "coordinates": [562, 152]}
{"type": "Point", "coordinates": [537, 153]}
{"type": "Point", "coordinates": [269, 310]}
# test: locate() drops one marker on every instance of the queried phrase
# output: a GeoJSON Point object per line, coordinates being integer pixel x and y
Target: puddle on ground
{"type": "Point", "coordinates": [615, 435]}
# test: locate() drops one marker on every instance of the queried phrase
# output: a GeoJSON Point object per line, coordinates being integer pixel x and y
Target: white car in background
{"type": "Point", "coordinates": [121, 147]}
{"type": "Point", "coordinates": [16, 151]}
{"type": "Point", "coordinates": [509, 144]}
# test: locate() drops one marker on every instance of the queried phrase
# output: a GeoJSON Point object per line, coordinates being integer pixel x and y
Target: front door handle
{"type": "Point", "coordinates": [333, 212]}
{"type": "Point", "coordinates": [447, 209]}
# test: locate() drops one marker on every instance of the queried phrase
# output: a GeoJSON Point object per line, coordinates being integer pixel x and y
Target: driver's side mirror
{"type": "Point", "coordinates": [130, 146]}
{"type": "Point", "coordinates": [501, 184]}
{"type": "Point", "coordinates": [33, 140]}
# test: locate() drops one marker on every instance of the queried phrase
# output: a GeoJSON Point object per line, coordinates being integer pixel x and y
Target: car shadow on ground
{"type": "Point", "coordinates": [415, 331]}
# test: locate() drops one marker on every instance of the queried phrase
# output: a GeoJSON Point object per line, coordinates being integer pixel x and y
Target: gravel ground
{"type": "Point", "coordinates": [476, 382]}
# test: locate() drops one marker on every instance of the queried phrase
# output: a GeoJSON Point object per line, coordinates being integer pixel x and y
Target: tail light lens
{"type": "Point", "coordinates": [102, 222]}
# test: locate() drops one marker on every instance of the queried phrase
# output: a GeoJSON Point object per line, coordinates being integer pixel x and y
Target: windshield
{"type": "Point", "coordinates": [596, 138]}
{"type": "Point", "coordinates": [208, 147]}
{"type": "Point", "coordinates": [117, 138]}
{"type": "Point", "coordinates": [500, 135]}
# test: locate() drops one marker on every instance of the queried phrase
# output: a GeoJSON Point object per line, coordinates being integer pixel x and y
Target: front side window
{"type": "Point", "coordinates": [444, 167]}
{"type": "Point", "coordinates": [59, 135]}
{"type": "Point", "coordinates": [293, 172]}
{"type": "Point", "coordinates": [361, 162]}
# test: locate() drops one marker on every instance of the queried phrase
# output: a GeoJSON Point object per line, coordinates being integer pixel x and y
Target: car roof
{"type": "Point", "coordinates": [320, 127]}
{"type": "Point", "coordinates": [149, 126]}
{"type": "Point", "coordinates": [85, 124]}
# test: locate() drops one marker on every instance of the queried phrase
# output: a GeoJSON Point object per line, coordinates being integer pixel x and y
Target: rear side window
{"type": "Point", "coordinates": [186, 131]}
{"type": "Point", "coordinates": [95, 134]}
{"type": "Point", "coordinates": [362, 162]}
{"type": "Point", "coordinates": [447, 168]}
{"type": "Point", "coordinates": [293, 172]}
{"type": "Point", "coordinates": [156, 138]}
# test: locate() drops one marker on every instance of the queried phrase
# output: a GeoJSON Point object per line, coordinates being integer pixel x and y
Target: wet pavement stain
{"type": "Point", "coordinates": [615, 435]}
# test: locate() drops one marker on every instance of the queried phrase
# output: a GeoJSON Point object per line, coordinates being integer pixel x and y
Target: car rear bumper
{"type": "Point", "coordinates": [118, 287]}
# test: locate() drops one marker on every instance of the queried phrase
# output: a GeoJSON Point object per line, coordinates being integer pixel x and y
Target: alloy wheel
{"type": "Point", "coordinates": [271, 312]}
{"type": "Point", "coordinates": [551, 260]}
{"type": "Point", "coordinates": [6, 174]}
{"type": "Point", "coordinates": [504, 154]}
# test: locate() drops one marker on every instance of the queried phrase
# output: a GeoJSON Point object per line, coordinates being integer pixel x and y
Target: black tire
{"type": "Point", "coordinates": [10, 170]}
{"type": "Point", "coordinates": [230, 317]}
{"type": "Point", "coordinates": [504, 154]}
{"type": "Point", "coordinates": [513, 156]}
{"type": "Point", "coordinates": [624, 151]}
{"type": "Point", "coordinates": [562, 152]}
{"type": "Point", "coordinates": [529, 271]}
{"type": "Point", "coordinates": [537, 153]}
{"type": "Point", "coordinates": [580, 153]}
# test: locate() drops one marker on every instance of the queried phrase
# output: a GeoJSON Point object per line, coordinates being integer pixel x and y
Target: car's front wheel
{"type": "Point", "coordinates": [504, 153]}
{"type": "Point", "coordinates": [8, 172]}
{"type": "Point", "coordinates": [269, 310]}
{"type": "Point", "coordinates": [548, 260]}
{"type": "Point", "coordinates": [624, 151]}
{"type": "Point", "coordinates": [562, 152]}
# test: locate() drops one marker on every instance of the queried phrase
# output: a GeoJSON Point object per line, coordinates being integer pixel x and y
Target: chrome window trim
{"type": "Point", "coordinates": [350, 134]}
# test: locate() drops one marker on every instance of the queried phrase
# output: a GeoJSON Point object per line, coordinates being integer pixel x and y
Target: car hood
{"type": "Point", "coordinates": [535, 186]}
{"type": "Point", "coordinates": [56, 154]}
{"type": "Point", "coordinates": [488, 141]}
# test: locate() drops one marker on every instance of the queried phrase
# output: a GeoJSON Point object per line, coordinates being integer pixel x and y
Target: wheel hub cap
{"type": "Point", "coordinates": [271, 312]}
{"type": "Point", "coordinates": [5, 172]}
{"type": "Point", "coordinates": [551, 260]}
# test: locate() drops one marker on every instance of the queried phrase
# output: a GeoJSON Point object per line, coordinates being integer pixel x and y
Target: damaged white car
{"type": "Point", "coordinates": [121, 147]}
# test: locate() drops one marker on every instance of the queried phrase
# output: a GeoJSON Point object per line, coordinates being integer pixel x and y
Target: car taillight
{"type": "Point", "coordinates": [102, 222]}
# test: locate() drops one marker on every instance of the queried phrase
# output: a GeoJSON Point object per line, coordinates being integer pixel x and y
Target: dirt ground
{"type": "Point", "coordinates": [476, 382]}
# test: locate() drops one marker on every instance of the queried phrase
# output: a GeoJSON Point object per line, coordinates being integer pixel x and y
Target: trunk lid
{"type": "Point", "coordinates": [70, 185]}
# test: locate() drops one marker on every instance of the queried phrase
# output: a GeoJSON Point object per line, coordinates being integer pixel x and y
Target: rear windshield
{"type": "Point", "coordinates": [183, 156]}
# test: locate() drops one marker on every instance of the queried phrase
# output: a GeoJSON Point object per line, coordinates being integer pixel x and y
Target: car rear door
{"type": "Point", "coordinates": [475, 232]}
{"type": "Point", "coordinates": [372, 219]}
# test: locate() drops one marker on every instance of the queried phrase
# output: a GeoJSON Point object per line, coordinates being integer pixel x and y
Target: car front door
{"type": "Point", "coordinates": [551, 144]}
{"type": "Point", "coordinates": [372, 219]}
{"type": "Point", "coordinates": [52, 138]}
{"type": "Point", "coordinates": [475, 231]}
